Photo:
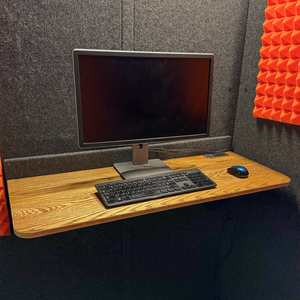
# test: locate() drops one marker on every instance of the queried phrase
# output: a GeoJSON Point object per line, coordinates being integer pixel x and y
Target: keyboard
{"type": "Point", "coordinates": [127, 191]}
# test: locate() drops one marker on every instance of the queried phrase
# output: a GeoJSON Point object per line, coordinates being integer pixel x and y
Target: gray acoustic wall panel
{"type": "Point", "coordinates": [268, 142]}
{"type": "Point", "coordinates": [37, 106]}
{"type": "Point", "coordinates": [217, 27]}
{"type": "Point", "coordinates": [265, 243]}
{"type": "Point", "coordinates": [68, 162]}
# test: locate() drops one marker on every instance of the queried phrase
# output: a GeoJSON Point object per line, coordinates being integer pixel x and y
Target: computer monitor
{"type": "Point", "coordinates": [136, 98]}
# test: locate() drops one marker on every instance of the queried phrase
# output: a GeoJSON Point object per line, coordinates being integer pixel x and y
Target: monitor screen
{"type": "Point", "coordinates": [128, 97]}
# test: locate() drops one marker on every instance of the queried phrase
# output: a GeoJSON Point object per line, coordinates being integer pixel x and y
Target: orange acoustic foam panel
{"type": "Point", "coordinates": [4, 219]}
{"type": "Point", "coordinates": [278, 89]}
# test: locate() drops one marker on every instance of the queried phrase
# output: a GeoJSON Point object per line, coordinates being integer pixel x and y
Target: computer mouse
{"type": "Point", "coordinates": [238, 171]}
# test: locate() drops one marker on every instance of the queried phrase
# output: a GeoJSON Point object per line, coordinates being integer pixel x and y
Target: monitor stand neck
{"type": "Point", "coordinates": [140, 154]}
{"type": "Point", "coordinates": [140, 165]}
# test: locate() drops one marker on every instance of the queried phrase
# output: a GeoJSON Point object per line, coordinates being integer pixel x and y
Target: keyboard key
{"type": "Point", "coordinates": [146, 194]}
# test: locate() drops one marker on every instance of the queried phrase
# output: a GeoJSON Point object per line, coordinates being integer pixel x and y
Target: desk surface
{"type": "Point", "coordinates": [50, 204]}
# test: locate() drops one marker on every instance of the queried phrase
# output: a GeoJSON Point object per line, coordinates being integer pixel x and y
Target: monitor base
{"type": "Point", "coordinates": [154, 166]}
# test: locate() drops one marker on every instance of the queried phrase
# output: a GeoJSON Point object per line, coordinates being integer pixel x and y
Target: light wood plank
{"type": "Point", "coordinates": [50, 204]}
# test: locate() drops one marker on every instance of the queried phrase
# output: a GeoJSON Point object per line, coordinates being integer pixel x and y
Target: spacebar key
{"type": "Point", "coordinates": [147, 194]}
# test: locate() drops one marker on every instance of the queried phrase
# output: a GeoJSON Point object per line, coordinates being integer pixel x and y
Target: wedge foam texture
{"type": "Point", "coordinates": [278, 89]}
{"type": "Point", "coordinates": [4, 218]}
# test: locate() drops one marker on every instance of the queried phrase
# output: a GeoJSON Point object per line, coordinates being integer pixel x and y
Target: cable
{"type": "Point", "coordinates": [163, 150]}
{"type": "Point", "coordinates": [218, 261]}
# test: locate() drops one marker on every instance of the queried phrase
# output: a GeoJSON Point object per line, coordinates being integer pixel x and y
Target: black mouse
{"type": "Point", "coordinates": [238, 171]}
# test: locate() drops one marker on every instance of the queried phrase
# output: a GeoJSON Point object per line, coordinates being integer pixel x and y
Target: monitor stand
{"type": "Point", "coordinates": [140, 165]}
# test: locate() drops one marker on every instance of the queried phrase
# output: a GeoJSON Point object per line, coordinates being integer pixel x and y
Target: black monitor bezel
{"type": "Point", "coordinates": [77, 52]}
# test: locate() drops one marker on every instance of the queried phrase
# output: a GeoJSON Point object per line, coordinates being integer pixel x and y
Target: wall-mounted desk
{"type": "Point", "coordinates": [50, 204]}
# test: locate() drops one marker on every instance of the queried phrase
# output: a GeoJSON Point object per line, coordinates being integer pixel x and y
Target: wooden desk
{"type": "Point", "coordinates": [50, 204]}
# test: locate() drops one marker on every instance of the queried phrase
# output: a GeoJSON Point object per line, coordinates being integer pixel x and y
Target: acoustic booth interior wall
{"type": "Point", "coordinates": [278, 89]}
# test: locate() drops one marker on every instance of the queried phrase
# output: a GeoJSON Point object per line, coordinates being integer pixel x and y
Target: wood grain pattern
{"type": "Point", "coordinates": [50, 204]}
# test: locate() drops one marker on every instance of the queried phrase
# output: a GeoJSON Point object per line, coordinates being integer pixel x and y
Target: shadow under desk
{"type": "Point", "coordinates": [49, 204]}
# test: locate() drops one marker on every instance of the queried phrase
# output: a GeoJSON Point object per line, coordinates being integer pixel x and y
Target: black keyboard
{"type": "Point", "coordinates": [151, 187]}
